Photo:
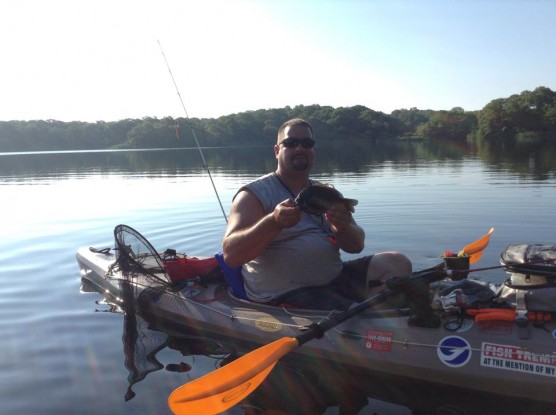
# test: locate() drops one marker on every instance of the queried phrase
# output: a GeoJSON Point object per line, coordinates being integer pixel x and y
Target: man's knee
{"type": "Point", "coordinates": [401, 264]}
{"type": "Point", "coordinates": [389, 264]}
{"type": "Point", "coordinates": [394, 262]}
{"type": "Point", "coordinates": [386, 265]}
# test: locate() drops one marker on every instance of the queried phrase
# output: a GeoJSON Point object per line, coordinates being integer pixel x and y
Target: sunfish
{"type": "Point", "coordinates": [318, 198]}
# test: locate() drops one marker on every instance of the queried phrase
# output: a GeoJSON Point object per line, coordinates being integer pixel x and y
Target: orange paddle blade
{"type": "Point", "coordinates": [475, 249]}
{"type": "Point", "coordinates": [218, 391]}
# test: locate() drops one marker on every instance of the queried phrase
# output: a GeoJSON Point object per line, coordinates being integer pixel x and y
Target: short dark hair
{"type": "Point", "coordinates": [293, 123]}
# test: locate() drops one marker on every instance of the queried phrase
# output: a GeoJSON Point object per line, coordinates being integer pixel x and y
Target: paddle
{"type": "Point", "coordinates": [475, 249]}
{"type": "Point", "coordinates": [223, 388]}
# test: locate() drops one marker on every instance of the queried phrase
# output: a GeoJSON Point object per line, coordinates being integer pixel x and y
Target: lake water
{"type": "Point", "coordinates": [63, 349]}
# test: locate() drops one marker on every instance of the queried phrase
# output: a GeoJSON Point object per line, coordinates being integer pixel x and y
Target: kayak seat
{"type": "Point", "coordinates": [233, 277]}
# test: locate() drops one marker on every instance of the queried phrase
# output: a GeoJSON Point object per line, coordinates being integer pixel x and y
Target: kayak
{"type": "Point", "coordinates": [461, 343]}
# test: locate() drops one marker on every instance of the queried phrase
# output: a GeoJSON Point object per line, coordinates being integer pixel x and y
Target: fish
{"type": "Point", "coordinates": [317, 198]}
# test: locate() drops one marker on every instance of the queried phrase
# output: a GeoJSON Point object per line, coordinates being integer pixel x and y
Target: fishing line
{"type": "Point", "coordinates": [205, 165]}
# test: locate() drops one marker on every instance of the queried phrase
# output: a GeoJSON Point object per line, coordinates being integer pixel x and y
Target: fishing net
{"type": "Point", "coordinates": [137, 259]}
{"type": "Point", "coordinates": [145, 277]}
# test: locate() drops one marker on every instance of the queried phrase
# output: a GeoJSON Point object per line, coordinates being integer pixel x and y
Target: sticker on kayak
{"type": "Point", "coordinates": [268, 324]}
{"type": "Point", "coordinates": [518, 359]}
{"type": "Point", "coordinates": [454, 351]}
{"type": "Point", "coordinates": [379, 340]}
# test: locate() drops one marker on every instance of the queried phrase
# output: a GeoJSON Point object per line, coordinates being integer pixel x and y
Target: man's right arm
{"type": "Point", "coordinates": [250, 231]}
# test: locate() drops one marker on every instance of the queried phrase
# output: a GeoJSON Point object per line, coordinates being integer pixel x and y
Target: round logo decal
{"type": "Point", "coordinates": [268, 324]}
{"type": "Point", "coordinates": [454, 351]}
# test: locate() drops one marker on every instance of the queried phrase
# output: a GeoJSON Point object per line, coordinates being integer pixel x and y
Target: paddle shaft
{"type": "Point", "coordinates": [317, 330]}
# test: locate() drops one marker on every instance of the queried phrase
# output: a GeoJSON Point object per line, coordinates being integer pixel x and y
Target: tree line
{"type": "Point", "coordinates": [530, 113]}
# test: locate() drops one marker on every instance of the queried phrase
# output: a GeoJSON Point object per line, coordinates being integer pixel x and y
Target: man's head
{"type": "Point", "coordinates": [295, 122]}
{"type": "Point", "coordinates": [295, 146]}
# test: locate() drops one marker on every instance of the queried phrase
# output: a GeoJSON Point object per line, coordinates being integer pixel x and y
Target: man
{"type": "Point", "coordinates": [290, 257]}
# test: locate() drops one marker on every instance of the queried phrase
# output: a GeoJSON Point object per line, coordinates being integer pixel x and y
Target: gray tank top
{"type": "Point", "coordinates": [299, 256]}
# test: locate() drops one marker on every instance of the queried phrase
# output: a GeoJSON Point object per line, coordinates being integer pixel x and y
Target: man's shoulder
{"type": "Point", "coordinates": [265, 178]}
{"type": "Point", "coordinates": [254, 186]}
{"type": "Point", "coordinates": [262, 181]}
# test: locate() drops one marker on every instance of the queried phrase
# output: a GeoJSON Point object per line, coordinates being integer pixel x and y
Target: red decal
{"type": "Point", "coordinates": [379, 340]}
{"type": "Point", "coordinates": [496, 327]}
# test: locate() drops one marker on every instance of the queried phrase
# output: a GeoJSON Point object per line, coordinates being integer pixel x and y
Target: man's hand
{"type": "Point", "coordinates": [339, 217]}
{"type": "Point", "coordinates": [286, 214]}
{"type": "Point", "coordinates": [350, 237]}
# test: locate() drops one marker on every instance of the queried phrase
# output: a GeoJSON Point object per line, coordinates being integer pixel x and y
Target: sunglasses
{"type": "Point", "coordinates": [294, 142]}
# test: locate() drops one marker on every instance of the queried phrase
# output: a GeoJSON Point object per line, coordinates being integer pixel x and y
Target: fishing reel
{"type": "Point", "coordinates": [451, 303]}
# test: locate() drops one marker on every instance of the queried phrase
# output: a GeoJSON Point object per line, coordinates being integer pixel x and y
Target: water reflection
{"type": "Point", "coordinates": [528, 159]}
{"type": "Point", "coordinates": [535, 160]}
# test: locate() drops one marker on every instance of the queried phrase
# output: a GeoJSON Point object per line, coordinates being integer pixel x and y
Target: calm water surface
{"type": "Point", "coordinates": [63, 351]}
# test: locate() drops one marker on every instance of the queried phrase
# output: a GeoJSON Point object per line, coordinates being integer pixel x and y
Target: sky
{"type": "Point", "coordinates": [102, 60]}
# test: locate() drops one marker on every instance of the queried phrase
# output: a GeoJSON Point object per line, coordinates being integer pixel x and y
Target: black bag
{"type": "Point", "coordinates": [532, 282]}
{"type": "Point", "coordinates": [530, 265]}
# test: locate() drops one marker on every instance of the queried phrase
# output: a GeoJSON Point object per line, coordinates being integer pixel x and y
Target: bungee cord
{"type": "Point", "coordinates": [205, 165]}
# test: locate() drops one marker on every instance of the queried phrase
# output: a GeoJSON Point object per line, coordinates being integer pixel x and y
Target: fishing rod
{"type": "Point", "coordinates": [506, 266]}
{"type": "Point", "coordinates": [205, 165]}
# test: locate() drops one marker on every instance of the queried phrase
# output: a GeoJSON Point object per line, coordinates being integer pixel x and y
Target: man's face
{"type": "Point", "coordinates": [296, 156]}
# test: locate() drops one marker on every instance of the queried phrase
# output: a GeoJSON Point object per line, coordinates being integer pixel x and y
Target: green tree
{"type": "Point", "coordinates": [455, 124]}
{"type": "Point", "coordinates": [494, 121]}
{"type": "Point", "coordinates": [410, 119]}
